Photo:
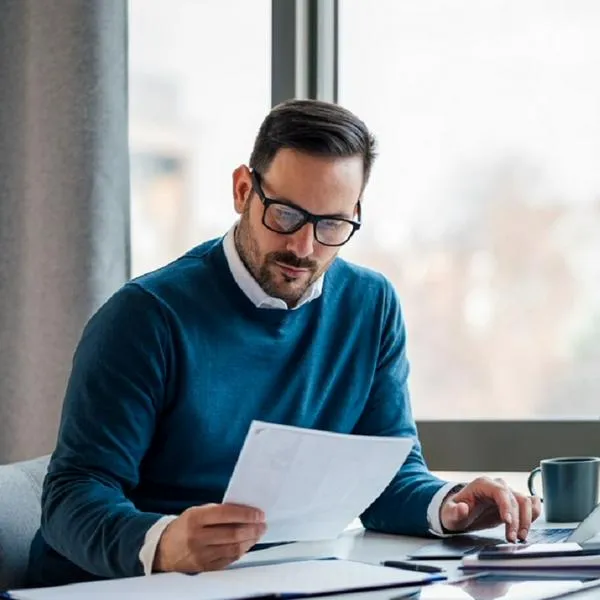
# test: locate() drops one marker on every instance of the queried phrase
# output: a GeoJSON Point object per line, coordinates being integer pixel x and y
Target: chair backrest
{"type": "Point", "coordinates": [20, 513]}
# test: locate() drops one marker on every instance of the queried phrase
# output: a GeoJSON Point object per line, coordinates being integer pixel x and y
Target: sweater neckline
{"type": "Point", "coordinates": [240, 300]}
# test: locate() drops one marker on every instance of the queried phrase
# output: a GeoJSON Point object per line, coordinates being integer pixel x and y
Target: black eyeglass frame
{"type": "Point", "coordinates": [308, 216]}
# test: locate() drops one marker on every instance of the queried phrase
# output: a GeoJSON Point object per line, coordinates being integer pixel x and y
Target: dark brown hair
{"type": "Point", "coordinates": [314, 127]}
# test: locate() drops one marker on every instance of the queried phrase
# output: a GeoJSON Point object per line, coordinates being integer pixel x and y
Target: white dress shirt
{"type": "Point", "coordinates": [261, 299]}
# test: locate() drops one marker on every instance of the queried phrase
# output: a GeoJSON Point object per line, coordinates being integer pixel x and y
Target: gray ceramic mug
{"type": "Point", "coordinates": [570, 487]}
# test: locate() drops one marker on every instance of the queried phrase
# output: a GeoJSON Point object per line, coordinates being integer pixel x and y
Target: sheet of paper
{"type": "Point", "coordinates": [309, 576]}
{"type": "Point", "coordinates": [309, 483]}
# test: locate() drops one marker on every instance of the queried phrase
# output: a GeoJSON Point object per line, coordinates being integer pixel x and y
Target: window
{"type": "Point", "coordinates": [484, 204]}
{"type": "Point", "coordinates": [200, 84]}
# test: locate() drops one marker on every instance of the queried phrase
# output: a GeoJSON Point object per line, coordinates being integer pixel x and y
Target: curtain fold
{"type": "Point", "coordinates": [64, 199]}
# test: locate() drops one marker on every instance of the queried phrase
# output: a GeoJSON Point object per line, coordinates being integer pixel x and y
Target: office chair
{"type": "Point", "coordinates": [20, 513]}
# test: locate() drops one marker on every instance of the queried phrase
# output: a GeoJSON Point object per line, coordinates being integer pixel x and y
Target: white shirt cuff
{"type": "Point", "coordinates": [153, 535]}
{"type": "Point", "coordinates": [433, 510]}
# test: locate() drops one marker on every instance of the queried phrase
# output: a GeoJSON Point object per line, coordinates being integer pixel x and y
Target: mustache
{"type": "Point", "coordinates": [291, 260]}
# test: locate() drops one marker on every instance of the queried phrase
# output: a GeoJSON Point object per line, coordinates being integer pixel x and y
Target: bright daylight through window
{"type": "Point", "coordinates": [200, 84]}
{"type": "Point", "coordinates": [484, 206]}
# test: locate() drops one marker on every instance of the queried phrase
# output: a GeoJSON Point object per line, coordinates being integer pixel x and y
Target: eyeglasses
{"type": "Point", "coordinates": [286, 218]}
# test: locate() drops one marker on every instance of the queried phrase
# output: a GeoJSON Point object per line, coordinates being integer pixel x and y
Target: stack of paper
{"type": "Point", "coordinates": [558, 556]}
{"type": "Point", "coordinates": [292, 579]}
{"type": "Point", "coordinates": [309, 483]}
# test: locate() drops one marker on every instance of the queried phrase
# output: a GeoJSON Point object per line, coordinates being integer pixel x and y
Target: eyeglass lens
{"type": "Point", "coordinates": [286, 219]}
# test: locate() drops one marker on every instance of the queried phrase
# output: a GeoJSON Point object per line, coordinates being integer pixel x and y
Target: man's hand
{"type": "Point", "coordinates": [487, 503]}
{"type": "Point", "coordinates": [208, 538]}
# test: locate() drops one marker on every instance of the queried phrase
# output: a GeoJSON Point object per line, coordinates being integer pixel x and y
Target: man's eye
{"type": "Point", "coordinates": [285, 215]}
{"type": "Point", "coordinates": [331, 224]}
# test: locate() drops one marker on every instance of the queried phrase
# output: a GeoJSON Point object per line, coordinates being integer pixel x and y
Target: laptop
{"type": "Point", "coordinates": [457, 546]}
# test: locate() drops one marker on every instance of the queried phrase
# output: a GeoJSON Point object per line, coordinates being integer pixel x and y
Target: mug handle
{"type": "Point", "coordinates": [530, 480]}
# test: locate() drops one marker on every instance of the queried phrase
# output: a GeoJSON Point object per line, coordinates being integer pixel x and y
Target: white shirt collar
{"type": "Point", "coordinates": [250, 286]}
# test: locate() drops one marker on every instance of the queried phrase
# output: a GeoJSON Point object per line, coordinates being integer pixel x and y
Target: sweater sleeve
{"type": "Point", "coordinates": [109, 414]}
{"type": "Point", "coordinates": [402, 507]}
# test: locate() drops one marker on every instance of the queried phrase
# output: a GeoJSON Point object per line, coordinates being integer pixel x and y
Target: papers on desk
{"type": "Point", "coordinates": [309, 483]}
{"type": "Point", "coordinates": [290, 580]}
{"type": "Point", "coordinates": [556, 556]}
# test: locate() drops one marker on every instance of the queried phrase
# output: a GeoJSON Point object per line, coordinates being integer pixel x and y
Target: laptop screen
{"type": "Point", "coordinates": [588, 528]}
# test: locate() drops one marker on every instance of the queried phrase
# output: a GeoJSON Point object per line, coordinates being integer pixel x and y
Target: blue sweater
{"type": "Point", "coordinates": [166, 380]}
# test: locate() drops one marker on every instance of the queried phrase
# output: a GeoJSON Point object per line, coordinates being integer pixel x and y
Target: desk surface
{"type": "Point", "coordinates": [366, 546]}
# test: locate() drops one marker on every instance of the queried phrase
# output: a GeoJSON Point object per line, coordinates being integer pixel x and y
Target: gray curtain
{"type": "Point", "coordinates": [64, 198]}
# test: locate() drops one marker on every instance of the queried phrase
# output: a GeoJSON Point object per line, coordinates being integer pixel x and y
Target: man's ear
{"type": "Point", "coordinates": [242, 188]}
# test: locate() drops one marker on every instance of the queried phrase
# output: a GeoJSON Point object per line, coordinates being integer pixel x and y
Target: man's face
{"type": "Point", "coordinates": [285, 265]}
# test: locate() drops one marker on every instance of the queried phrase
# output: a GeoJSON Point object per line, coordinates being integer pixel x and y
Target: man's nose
{"type": "Point", "coordinates": [302, 242]}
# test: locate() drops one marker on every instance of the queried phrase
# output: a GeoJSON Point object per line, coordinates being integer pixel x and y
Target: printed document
{"type": "Point", "coordinates": [296, 578]}
{"type": "Point", "coordinates": [311, 484]}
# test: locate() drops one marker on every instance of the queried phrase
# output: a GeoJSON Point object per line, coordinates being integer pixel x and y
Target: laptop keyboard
{"type": "Point", "coordinates": [460, 545]}
{"type": "Point", "coordinates": [547, 536]}
{"type": "Point", "coordinates": [535, 536]}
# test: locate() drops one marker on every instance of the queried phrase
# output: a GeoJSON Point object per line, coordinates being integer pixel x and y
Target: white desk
{"type": "Point", "coordinates": [355, 544]}
{"type": "Point", "coordinates": [361, 545]}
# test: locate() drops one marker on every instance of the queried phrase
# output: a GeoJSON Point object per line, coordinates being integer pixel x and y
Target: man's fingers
{"type": "Point", "coordinates": [217, 565]}
{"type": "Point", "coordinates": [525, 515]}
{"type": "Point", "coordinates": [213, 558]}
{"type": "Point", "coordinates": [459, 514]}
{"type": "Point", "coordinates": [455, 515]}
{"type": "Point", "coordinates": [208, 537]}
{"type": "Point", "coordinates": [508, 508]}
{"type": "Point", "coordinates": [231, 552]}
{"type": "Point", "coordinates": [490, 502]}
{"type": "Point", "coordinates": [216, 535]}
{"type": "Point", "coordinates": [536, 507]}
{"type": "Point", "coordinates": [487, 518]}
{"type": "Point", "coordinates": [461, 510]}
{"type": "Point", "coordinates": [219, 514]}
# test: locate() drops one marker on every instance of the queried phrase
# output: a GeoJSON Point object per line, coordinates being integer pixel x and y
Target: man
{"type": "Point", "coordinates": [266, 323]}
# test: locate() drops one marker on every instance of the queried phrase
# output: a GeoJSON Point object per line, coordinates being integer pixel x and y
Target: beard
{"type": "Point", "coordinates": [266, 272]}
